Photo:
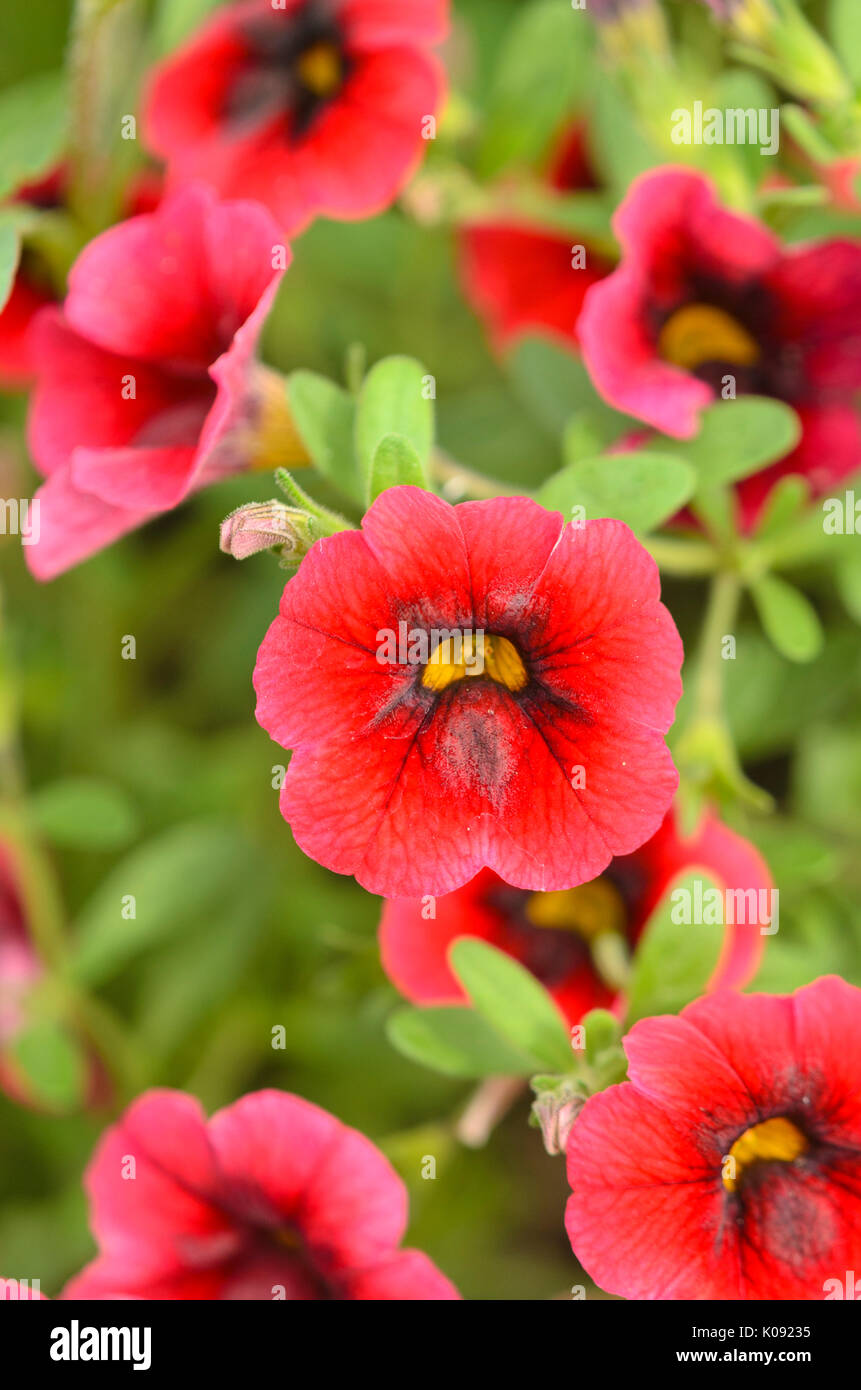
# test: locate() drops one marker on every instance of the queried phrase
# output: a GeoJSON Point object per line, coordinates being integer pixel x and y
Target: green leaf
{"type": "Point", "coordinates": [395, 462]}
{"type": "Point", "coordinates": [84, 813]}
{"type": "Point", "coordinates": [789, 619]}
{"type": "Point", "coordinates": [32, 129]}
{"type": "Point", "coordinates": [553, 383]}
{"type": "Point", "coordinates": [172, 884]}
{"type": "Point", "coordinates": [602, 1032]}
{"type": "Point", "coordinates": [53, 1064]}
{"type": "Point", "coordinates": [739, 437]}
{"type": "Point", "coordinates": [513, 1002]}
{"type": "Point", "coordinates": [457, 1042]}
{"type": "Point", "coordinates": [641, 489]}
{"type": "Point", "coordinates": [10, 253]}
{"type": "Point", "coordinates": [785, 503]}
{"type": "Point", "coordinates": [325, 416]}
{"type": "Point", "coordinates": [537, 79]}
{"type": "Point", "coordinates": [394, 400]}
{"type": "Point", "coordinates": [844, 27]}
{"type": "Point", "coordinates": [674, 961]}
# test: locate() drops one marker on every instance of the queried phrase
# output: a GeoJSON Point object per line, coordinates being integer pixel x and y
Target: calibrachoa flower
{"type": "Point", "coordinates": [272, 1198]}
{"type": "Point", "coordinates": [552, 933]}
{"type": "Point", "coordinates": [702, 294]}
{"type": "Point", "coordinates": [521, 278]}
{"type": "Point", "coordinates": [148, 387]}
{"type": "Point", "coordinates": [729, 1165]}
{"type": "Point", "coordinates": [316, 107]}
{"type": "Point", "coordinates": [519, 723]}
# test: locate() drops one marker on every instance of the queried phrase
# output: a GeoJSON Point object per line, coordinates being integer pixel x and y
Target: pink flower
{"type": "Point", "coordinates": [273, 1198]}
{"type": "Point", "coordinates": [148, 387]}
{"type": "Point", "coordinates": [703, 293]}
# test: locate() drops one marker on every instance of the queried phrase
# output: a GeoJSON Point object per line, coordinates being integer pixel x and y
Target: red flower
{"type": "Point", "coordinates": [32, 291]}
{"type": "Point", "coordinates": [272, 1198]}
{"type": "Point", "coordinates": [551, 933]}
{"type": "Point", "coordinates": [703, 293]}
{"type": "Point", "coordinates": [521, 278]}
{"type": "Point", "coordinates": [729, 1166]}
{"type": "Point", "coordinates": [147, 385]}
{"type": "Point", "coordinates": [315, 107]}
{"type": "Point", "coordinates": [521, 730]}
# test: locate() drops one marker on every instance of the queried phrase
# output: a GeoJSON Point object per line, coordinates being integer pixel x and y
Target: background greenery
{"type": "Point", "coordinates": [151, 776]}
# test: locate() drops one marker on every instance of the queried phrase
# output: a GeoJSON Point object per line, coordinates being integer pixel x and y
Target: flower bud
{"type": "Point", "coordinates": [268, 526]}
{"type": "Point", "coordinates": [554, 1112]}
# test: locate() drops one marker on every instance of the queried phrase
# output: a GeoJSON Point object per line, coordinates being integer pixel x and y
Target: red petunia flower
{"type": "Point", "coordinates": [519, 723]}
{"type": "Point", "coordinates": [729, 1165]}
{"type": "Point", "coordinates": [272, 1198]}
{"type": "Point", "coordinates": [148, 387]}
{"type": "Point", "coordinates": [703, 293]}
{"type": "Point", "coordinates": [314, 107]}
{"type": "Point", "coordinates": [521, 278]}
{"type": "Point", "coordinates": [552, 933]}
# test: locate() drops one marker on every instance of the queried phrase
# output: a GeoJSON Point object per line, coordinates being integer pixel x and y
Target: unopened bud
{"type": "Point", "coordinates": [554, 1112]}
{"type": "Point", "coordinates": [268, 526]}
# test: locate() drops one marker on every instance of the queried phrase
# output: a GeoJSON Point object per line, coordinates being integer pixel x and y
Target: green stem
{"type": "Point", "coordinates": [720, 616]}
{"type": "Point", "coordinates": [682, 557]}
{"type": "Point", "coordinates": [465, 482]}
{"type": "Point", "coordinates": [42, 903]}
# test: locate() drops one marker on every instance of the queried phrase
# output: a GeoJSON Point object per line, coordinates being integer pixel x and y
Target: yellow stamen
{"type": "Point", "coordinates": [773, 1141]}
{"type": "Point", "coordinates": [320, 69]}
{"type": "Point", "coordinates": [590, 910]}
{"type": "Point", "coordinates": [703, 333]}
{"type": "Point", "coordinates": [475, 654]}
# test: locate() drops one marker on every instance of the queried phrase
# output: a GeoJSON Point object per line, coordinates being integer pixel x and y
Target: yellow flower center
{"type": "Point", "coordinates": [475, 654]}
{"type": "Point", "coordinates": [702, 333]}
{"type": "Point", "coordinates": [773, 1141]}
{"type": "Point", "coordinates": [590, 910]}
{"type": "Point", "coordinates": [320, 69]}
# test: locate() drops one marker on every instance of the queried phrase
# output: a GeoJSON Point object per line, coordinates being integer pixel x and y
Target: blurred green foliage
{"type": "Point", "coordinates": [150, 776]}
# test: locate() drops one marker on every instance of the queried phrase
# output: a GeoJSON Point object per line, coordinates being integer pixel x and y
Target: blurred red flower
{"type": "Point", "coordinates": [703, 293]}
{"type": "Point", "coordinates": [520, 278]}
{"type": "Point", "coordinates": [552, 933]}
{"type": "Point", "coordinates": [542, 759]}
{"type": "Point", "coordinates": [31, 289]}
{"type": "Point", "coordinates": [148, 387]}
{"type": "Point", "coordinates": [315, 107]}
{"type": "Point", "coordinates": [729, 1165]}
{"type": "Point", "coordinates": [272, 1198]}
